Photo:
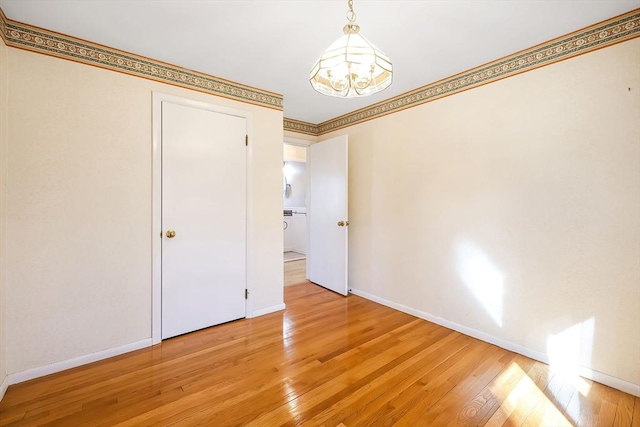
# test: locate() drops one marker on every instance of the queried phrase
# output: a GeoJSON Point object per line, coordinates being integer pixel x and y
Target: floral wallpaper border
{"type": "Point", "coordinates": [36, 39]}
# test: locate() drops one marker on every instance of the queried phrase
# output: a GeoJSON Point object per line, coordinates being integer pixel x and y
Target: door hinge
{"type": "Point", "coordinates": [246, 140]}
{"type": "Point", "coordinates": [246, 294]}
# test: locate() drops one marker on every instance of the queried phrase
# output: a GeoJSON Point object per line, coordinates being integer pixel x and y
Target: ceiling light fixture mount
{"type": "Point", "coordinates": [351, 66]}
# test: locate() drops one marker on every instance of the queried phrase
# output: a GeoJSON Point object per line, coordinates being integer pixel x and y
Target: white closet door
{"type": "Point", "coordinates": [204, 204]}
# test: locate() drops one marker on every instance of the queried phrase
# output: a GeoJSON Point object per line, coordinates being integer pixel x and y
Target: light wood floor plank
{"type": "Point", "coordinates": [449, 407]}
{"type": "Point", "coordinates": [519, 403]}
{"type": "Point", "coordinates": [327, 360]}
{"type": "Point", "coordinates": [635, 422]}
{"type": "Point", "coordinates": [624, 411]}
{"type": "Point", "coordinates": [370, 396]}
{"type": "Point", "coordinates": [295, 272]}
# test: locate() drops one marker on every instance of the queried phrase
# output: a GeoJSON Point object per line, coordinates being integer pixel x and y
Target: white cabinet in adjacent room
{"type": "Point", "coordinates": [287, 228]}
{"type": "Point", "coordinates": [299, 230]}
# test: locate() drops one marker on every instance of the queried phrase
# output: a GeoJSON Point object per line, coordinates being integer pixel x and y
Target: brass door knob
{"type": "Point", "coordinates": [171, 234]}
{"type": "Point", "coordinates": [340, 223]}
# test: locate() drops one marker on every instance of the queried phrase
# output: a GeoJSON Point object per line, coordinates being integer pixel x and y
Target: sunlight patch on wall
{"type": "Point", "coordinates": [483, 278]}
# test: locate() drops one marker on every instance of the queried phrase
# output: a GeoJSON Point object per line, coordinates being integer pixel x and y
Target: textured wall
{"type": "Point", "coordinates": [512, 209]}
{"type": "Point", "coordinates": [79, 208]}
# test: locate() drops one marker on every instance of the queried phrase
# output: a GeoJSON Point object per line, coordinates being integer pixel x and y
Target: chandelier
{"type": "Point", "coordinates": [351, 66]}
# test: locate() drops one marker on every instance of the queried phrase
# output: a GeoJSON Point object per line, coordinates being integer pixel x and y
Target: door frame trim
{"type": "Point", "coordinates": [297, 142]}
{"type": "Point", "coordinates": [156, 224]}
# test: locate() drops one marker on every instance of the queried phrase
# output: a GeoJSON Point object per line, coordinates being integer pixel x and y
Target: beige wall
{"type": "Point", "coordinates": [294, 153]}
{"type": "Point", "coordinates": [512, 209]}
{"type": "Point", "coordinates": [3, 180]}
{"type": "Point", "coordinates": [79, 208]}
{"type": "Point", "coordinates": [299, 136]}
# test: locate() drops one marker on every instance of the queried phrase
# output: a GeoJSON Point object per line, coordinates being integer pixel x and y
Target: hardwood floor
{"type": "Point", "coordinates": [327, 360]}
{"type": "Point", "coordinates": [295, 272]}
{"type": "Point", "coordinates": [293, 256]}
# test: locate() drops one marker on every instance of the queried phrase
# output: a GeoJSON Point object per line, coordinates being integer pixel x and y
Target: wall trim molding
{"type": "Point", "coordinates": [603, 34]}
{"type": "Point", "coordinates": [298, 142]}
{"type": "Point", "coordinates": [41, 371]}
{"type": "Point", "coordinates": [40, 40]}
{"type": "Point", "coordinates": [53, 368]}
{"type": "Point", "coordinates": [3, 387]}
{"type": "Point", "coordinates": [589, 373]}
{"type": "Point", "coordinates": [268, 310]}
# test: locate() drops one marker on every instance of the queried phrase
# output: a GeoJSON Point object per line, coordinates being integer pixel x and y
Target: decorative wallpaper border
{"type": "Point", "coordinates": [607, 33]}
{"type": "Point", "coordinates": [300, 127]}
{"type": "Point", "coordinates": [24, 36]}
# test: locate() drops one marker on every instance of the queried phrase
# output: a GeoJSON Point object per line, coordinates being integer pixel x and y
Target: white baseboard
{"type": "Point", "coordinates": [589, 373]}
{"type": "Point", "coordinates": [41, 371]}
{"type": "Point", "coordinates": [3, 387]}
{"type": "Point", "coordinates": [268, 310]}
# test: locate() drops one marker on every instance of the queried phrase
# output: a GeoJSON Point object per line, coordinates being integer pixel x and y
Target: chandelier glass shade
{"type": "Point", "coordinates": [351, 66]}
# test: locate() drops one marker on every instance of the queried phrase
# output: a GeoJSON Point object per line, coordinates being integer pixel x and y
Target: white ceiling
{"type": "Point", "coordinates": [272, 44]}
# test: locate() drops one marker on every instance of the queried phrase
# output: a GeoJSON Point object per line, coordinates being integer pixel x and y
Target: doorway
{"type": "Point", "coordinates": [294, 223]}
{"type": "Point", "coordinates": [325, 212]}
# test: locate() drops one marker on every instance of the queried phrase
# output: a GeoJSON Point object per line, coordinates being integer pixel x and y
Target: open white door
{"type": "Point", "coordinates": [203, 218]}
{"type": "Point", "coordinates": [327, 214]}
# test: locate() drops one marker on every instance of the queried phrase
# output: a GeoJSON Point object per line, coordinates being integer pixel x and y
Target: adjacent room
{"type": "Point", "coordinates": [320, 212]}
{"type": "Point", "coordinates": [294, 194]}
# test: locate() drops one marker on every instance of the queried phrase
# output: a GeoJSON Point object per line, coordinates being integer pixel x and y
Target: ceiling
{"type": "Point", "coordinates": [272, 44]}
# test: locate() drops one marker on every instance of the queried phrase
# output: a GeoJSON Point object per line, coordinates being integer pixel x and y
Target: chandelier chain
{"type": "Point", "coordinates": [351, 15]}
